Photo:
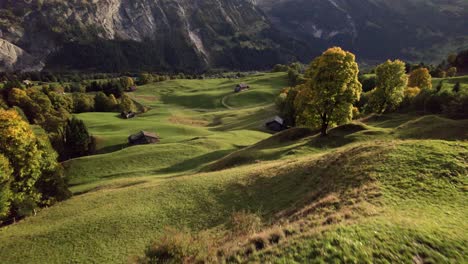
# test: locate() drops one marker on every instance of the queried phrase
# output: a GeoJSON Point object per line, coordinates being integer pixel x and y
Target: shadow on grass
{"type": "Point", "coordinates": [289, 188]}
{"type": "Point", "coordinates": [112, 148]}
{"type": "Point", "coordinates": [195, 162]}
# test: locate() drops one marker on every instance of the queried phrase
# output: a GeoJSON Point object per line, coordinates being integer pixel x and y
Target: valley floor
{"type": "Point", "coordinates": [381, 189]}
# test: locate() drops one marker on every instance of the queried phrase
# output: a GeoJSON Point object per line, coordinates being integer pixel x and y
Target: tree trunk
{"type": "Point", "coordinates": [323, 130]}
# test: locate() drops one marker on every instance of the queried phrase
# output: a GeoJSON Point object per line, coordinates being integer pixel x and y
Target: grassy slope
{"type": "Point", "coordinates": [127, 197]}
{"type": "Point", "coordinates": [190, 137]}
{"type": "Point", "coordinates": [112, 223]}
{"type": "Point", "coordinates": [424, 207]}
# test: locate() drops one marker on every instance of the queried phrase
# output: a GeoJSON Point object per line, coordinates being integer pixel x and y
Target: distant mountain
{"type": "Point", "coordinates": [194, 35]}
{"type": "Point", "coordinates": [123, 35]}
{"type": "Point", "coordinates": [375, 29]}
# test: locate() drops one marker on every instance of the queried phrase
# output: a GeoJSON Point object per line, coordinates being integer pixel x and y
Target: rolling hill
{"type": "Point", "coordinates": [334, 199]}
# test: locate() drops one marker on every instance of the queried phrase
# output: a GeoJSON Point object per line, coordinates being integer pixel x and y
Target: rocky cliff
{"type": "Point", "coordinates": [193, 35]}
{"type": "Point", "coordinates": [121, 35]}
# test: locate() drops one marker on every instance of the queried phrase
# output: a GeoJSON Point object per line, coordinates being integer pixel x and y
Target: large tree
{"type": "Point", "coordinates": [332, 88]}
{"type": "Point", "coordinates": [420, 78]}
{"type": "Point", "coordinates": [391, 81]}
{"type": "Point", "coordinates": [19, 145]}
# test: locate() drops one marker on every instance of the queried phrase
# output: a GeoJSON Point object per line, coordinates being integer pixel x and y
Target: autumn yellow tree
{"type": "Point", "coordinates": [420, 78]}
{"type": "Point", "coordinates": [331, 90]}
{"type": "Point", "coordinates": [19, 145]}
{"type": "Point", "coordinates": [5, 191]}
{"type": "Point", "coordinates": [32, 163]}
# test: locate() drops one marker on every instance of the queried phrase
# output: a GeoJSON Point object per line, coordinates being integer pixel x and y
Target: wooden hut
{"type": "Point", "coordinates": [276, 124]}
{"type": "Point", "coordinates": [142, 138]}
{"type": "Point", "coordinates": [241, 87]}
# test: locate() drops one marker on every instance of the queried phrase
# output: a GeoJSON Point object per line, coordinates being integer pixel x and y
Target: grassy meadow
{"type": "Point", "coordinates": [382, 189]}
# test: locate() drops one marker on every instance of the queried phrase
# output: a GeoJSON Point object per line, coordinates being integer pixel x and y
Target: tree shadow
{"type": "Point", "coordinates": [195, 162]}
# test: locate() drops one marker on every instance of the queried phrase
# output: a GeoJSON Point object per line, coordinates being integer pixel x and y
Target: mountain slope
{"type": "Point", "coordinates": [376, 29]}
{"type": "Point", "coordinates": [118, 35]}
{"type": "Point", "coordinates": [164, 35]}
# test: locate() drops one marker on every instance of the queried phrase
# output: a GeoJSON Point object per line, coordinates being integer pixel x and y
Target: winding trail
{"type": "Point", "coordinates": [223, 102]}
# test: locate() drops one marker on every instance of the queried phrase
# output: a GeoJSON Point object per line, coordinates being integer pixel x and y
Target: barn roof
{"type": "Point", "coordinates": [278, 120]}
{"type": "Point", "coordinates": [242, 85]}
{"type": "Point", "coordinates": [143, 134]}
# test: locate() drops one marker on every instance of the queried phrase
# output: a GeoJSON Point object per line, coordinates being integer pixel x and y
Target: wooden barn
{"type": "Point", "coordinates": [142, 138]}
{"type": "Point", "coordinates": [276, 124]}
{"type": "Point", "coordinates": [241, 87]}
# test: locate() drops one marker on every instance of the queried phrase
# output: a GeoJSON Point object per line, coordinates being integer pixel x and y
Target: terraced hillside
{"type": "Point", "coordinates": [382, 189]}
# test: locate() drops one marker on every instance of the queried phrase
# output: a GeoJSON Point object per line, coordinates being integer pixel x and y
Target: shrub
{"type": "Point", "coordinates": [244, 223]}
{"type": "Point", "coordinates": [259, 242]}
{"type": "Point", "coordinates": [276, 236]}
{"type": "Point", "coordinates": [179, 246]}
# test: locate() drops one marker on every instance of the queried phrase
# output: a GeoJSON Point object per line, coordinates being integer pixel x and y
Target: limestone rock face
{"type": "Point", "coordinates": [164, 34]}
{"type": "Point", "coordinates": [14, 58]}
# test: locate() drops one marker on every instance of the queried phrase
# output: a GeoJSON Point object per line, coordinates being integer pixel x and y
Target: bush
{"type": "Point", "coordinates": [259, 242]}
{"type": "Point", "coordinates": [177, 246]}
{"type": "Point", "coordinates": [244, 223]}
{"type": "Point", "coordinates": [276, 236]}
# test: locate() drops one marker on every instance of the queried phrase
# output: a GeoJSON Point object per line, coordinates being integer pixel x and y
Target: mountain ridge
{"type": "Point", "coordinates": [182, 35]}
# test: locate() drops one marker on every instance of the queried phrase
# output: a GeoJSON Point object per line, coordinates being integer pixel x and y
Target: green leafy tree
{"type": "Point", "coordinates": [144, 78]}
{"type": "Point", "coordinates": [420, 78]}
{"type": "Point", "coordinates": [452, 72]}
{"type": "Point", "coordinates": [286, 107]}
{"type": "Point", "coordinates": [61, 101]}
{"type": "Point", "coordinates": [126, 104]}
{"type": "Point", "coordinates": [103, 103]}
{"type": "Point", "coordinates": [51, 184]}
{"type": "Point", "coordinates": [391, 83]}
{"type": "Point", "coordinates": [333, 88]}
{"type": "Point", "coordinates": [82, 103]}
{"type": "Point", "coordinates": [127, 82]}
{"type": "Point", "coordinates": [77, 140]}
{"type": "Point", "coordinates": [77, 88]}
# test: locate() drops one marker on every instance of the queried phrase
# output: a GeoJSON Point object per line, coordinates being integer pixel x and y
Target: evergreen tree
{"type": "Point", "coordinates": [77, 141]}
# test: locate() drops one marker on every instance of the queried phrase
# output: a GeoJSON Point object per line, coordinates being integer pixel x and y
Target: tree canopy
{"type": "Point", "coordinates": [25, 162]}
{"type": "Point", "coordinates": [332, 88]}
{"type": "Point", "coordinates": [420, 78]}
{"type": "Point", "coordinates": [391, 81]}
